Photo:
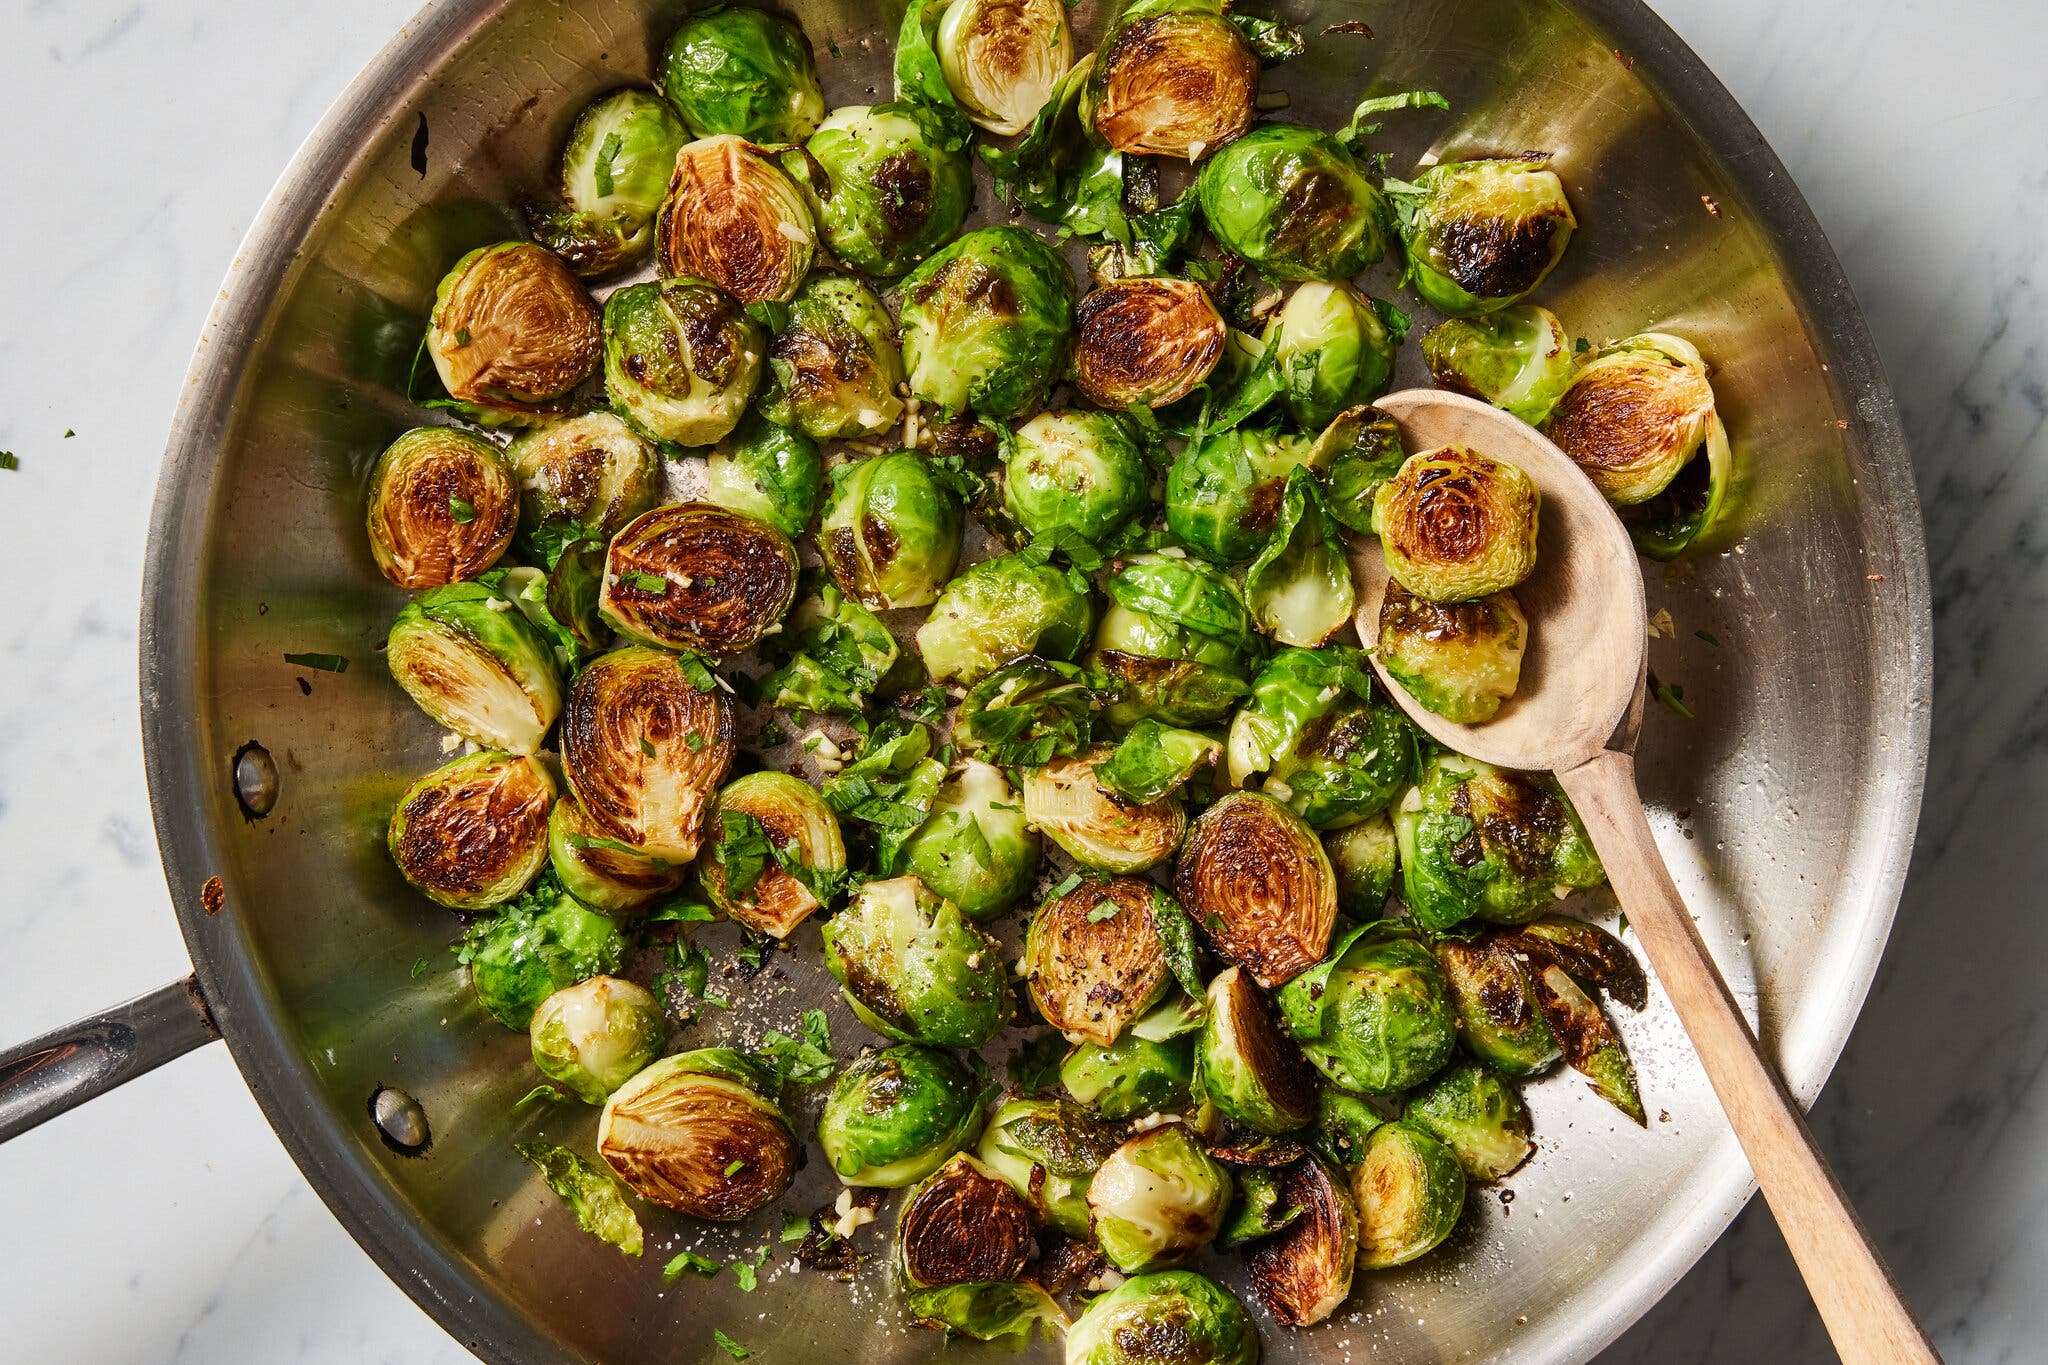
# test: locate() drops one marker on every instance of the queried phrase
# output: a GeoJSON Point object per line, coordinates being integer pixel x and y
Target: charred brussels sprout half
{"type": "Point", "coordinates": [768, 473]}
{"type": "Point", "coordinates": [476, 666]}
{"type": "Point", "coordinates": [987, 322]}
{"type": "Point", "coordinates": [1331, 350]}
{"type": "Point", "coordinates": [1075, 471]}
{"type": "Point", "coordinates": [1158, 1199]}
{"type": "Point", "coordinates": [1223, 494]}
{"type": "Point", "coordinates": [891, 530]}
{"type": "Point", "coordinates": [733, 218]}
{"type": "Point", "coordinates": [1049, 1150]}
{"type": "Point", "coordinates": [512, 332]}
{"type": "Point", "coordinates": [1358, 451]}
{"type": "Point", "coordinates": [1000, 610]}
{"type": "Point", "coordinates": [888, 188]}
{"type": "Point", "coordinates": [1251, 1070]}
{"type": "Point", "coordinates": [473, 833]}
{"type": "Point", "coordinates": [680, 359]}
{"type": "Point", "coordinates": [1455, 525]}
{"type": "Point", "coordinates": [1588, 1041]}
{"type": "Point", "coordinates": [696, 577]}
{"type": "Point", "coordinates": [777, 849]}
{"type": "Point", "coordinates": [1303, 1274]}
{"type": "Point", "coordinates": [1172, 78]}
{"type": "Point", "coordinates": [1458, 659]}
{"type": "Point", "coordinates": [1476, 840]}
{"type": "Point", "coordinates": [1255, 877]}
{"type": "Point", "coordinates": [1409, 1190]}
{"type": "Point", "coordinates": [1066, 801]}
{"type": "Point", "coordinates": [1002, 58]}
{"type": "Point", "coordinates": [1477, 1114]}
{"type": "Point", "coordinates": [580, 478]}
{"type": "Point", "coordinates": [700, 1134]}
{"type": "Point", "coordinates": [643, 750]}
{"type": "Point", "coordinates": [1293, 202]}
{"type": "Point", "coordinates": [1092, 958]}
{"type": "Point", "coordinates": [442, 507]}
{"type": "Point", "coordinates": [1636, 413]}
{"type": "Point", "coordinates": [1147, 342]}
{"type": "Point", "coordinates": [894, 1116]}
{"type": "Point", "coordinates": [963, 1225]}
{"type": "Point", "coordinates": [602, 872]}
{"type": "Point", "coordinates": [1519, 359]}
{"type": "Point", "coordinates": [833, 369]}
{"type": "Point", "coordinates": [915, 969]}
{"type": "Point", "coordinates": [596, 1035]}
{"type": "Point", "coordinates": [1365, 859]}
{"type": "Point", "coordinates": [1167, 1318]}
{"type": "Point", "coordinates": [975, 848]}
{"type": "Point", "coordinates": [742, 71]}
{"type": "Point", "coordinates": [1376, 1016]}
{"type": "Point", "coordinates": [1480, 234]}
{"type": "Point", "coordinates": [615, 170]}
{"type": "Point", "coordinates": [1498, 1017]}
{"type": "Point", "coordinates": [535, 946]}
{"type": "Point", "coordinates": [1177, 643]}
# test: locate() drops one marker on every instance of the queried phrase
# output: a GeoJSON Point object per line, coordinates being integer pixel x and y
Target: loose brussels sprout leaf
{"type": "Point", "coordinates": [1636, 412]}
{"type": "Point", "coordinates": [891, 184]}
{"type": "Point", "coordinates": [768, 473]}
{"type": "Point", "coordinates": [1589, 1042]}
{"type": "Point", "coordinates": [987, 322]}
{"type": "Point", "coordinates": [590, 1194]}
{"type": "Point", "coordinates": [1224, 493]}
{"type": "Point", "coordinates": [890, 785]}
{"type": "Point", "coordinates": [1274, 41]}
{"type": "Point", "coordinates": [891, 530]}
{"type": "Point", "coordinates": [975, 849]}
{"type": "Point", "coordinates": [895, 1116]}
{"type": "Point", "coordinates": [1332, 350]}
{"type": "Point", "coordinates": [644, 750]}
{"type": "Point", "coordinates": [473, 833]}
{"type": "Point", "coordinates": [1066, 801]}
{"type": "Point", "coordinates": [1001, 610]}
{"type": "Point", "coordinates": [680, 359]}
{"type": "Point", "coordinates": [1172, 78]}
{"type": "Point", "coordinates": [986, 1312]}
{"type": "Point", "coordinates": [442, 507]}
{"type": "Point", "coordinates": [1665, 526]}
{"type": "Point", "coordinates": [1028, 713]}
{"type": "Point", "coordinates": [1158, 1199]}
{"type": "Point", "coordinates": [1519, 359]}
{"type": "Point", "coordinates": [1473, 1111]}
{"type": "Point", "coordinates": [779, 855]}
{"type": "Point", "coordinates": [570, 598]}
{"type": "Point", "coordinates": [1365, 858]}
{"type": "Point", "coordinates": [1360, 450]}
{"type": "Point", "coordinates": [919, 75]}
{"type": "Point", "coordinates": [1145, 341]}
{"type": "Point", "coordinates": [1459, 659]}
{"type": "Point", "coordinates": [1251, 1070]}
{"type": "Point", "coordinates": [615, 170]}
{"type": "Point", "coordinates": [541, 942]}
{"type": "Point", "coordinates": [1480, 234]}
{"type": "Point", "coordinates": [833, 367]}
{"type": "Point", "coordinates": [1295, 204]}
{"type": "Point", "coordinates": [1092, 959]}
{"type": "Point", "coordinates": [914, 969]}
{"type": "Point", "coordinates": [1303, 1275]}
{"type": "Point", "coordinates": [1476, 840]}
{"type": "Point", "coordinates": [697, 578]}
{"type": "Point", "coordinates": [1002, 59]}
{"type": "Point", "coordinates": [476, 666]}
{"type": "Point", "coordinates": [1077, 472]}
{"type": "Point", "coordinates": [1344, 1122]}
{"type": "Point", "coordinates": [1164, 1319]}
{"type": "Point", "coordinates": [1132, 1077]}
{"type": "Point", "coordinates": [840, 654]}
{"type": "Point", "coordinates": [1588, 952]}
{"type": "Point", "coordinates": [580, 478]}
{"type": "Point", "coordinates": [1041, 166]}
{"type": "Point", "coordinates": [742, 71]}
{"type": "Point", "coordinates": [963, 1225]}
{"type": "Point", "coordinates": [1496, 1004]}
{"type": "Point", "coordinates": [512, 332]}
{"type": "Point", "coordinates": [1254, 876]}
{"type": "Point", "coordinates": [596, 1035]}
{"type": "Point", "coordinates": [733, 218]}
{"type": "Point", "coordinates": [1410, 1192]}
{"type": "Point", "coordinates": [526, 588]}
{"type": "Point", "coordinates": [1259, 1210]}
{"type": "Point", "coordinates": [1361, 127]}
{"type": "Point", "coordinates": [1049, 1150]}
{"type": "Point", "coordinates": [1376, 1016]}
{"type": "Point", "coordinates": [1455, 525]}
{"type": "Point", "coordinates": [1299, 588]}
{"type": "Point", "coordinates": [690, 1135]}
{"type": "Point", "coordinates": [1154, 759]}
{"type": "Point", "coordinates": [1157, 239]}
{"type": "Point", "coordinates": [605, 874]}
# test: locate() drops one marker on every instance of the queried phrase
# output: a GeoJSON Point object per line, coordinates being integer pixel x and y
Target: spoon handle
{"type": "Point", "coordinates": [1857, 1298]}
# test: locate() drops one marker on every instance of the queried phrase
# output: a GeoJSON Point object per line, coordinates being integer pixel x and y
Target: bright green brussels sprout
{"type": "Point", "coordinates": [1154, 760]}
{"type": "Point", "coordinates": [1001, 610]}
{"type": "Point", "coordinates": [1455, 525]}
{"type": "Point", "coordinates": [914, 969]}
{"type": "Point", "coordinates": [643, 751]}
{"type": "Point", "coordinates": [1002, 58]}
{"type": "Point", "coordinates": [698, 1133]}
{"type": "Point", "coordinates": [976, 849]}
{"type": "Point", "coordinates": [476, 666]}
{"type": "Point", "coordinates": [1145, 342]}
{"type": "Point", "coordinates": [1332, 350]}
{"type": "Point", "coordinates": [1048, 1150]}
{"type": "Point", "coordinates": [1224, 493]}
{"type": "Point", "coordinates": [1365, 859]}
{"type": "Point", "coordinates": [986, 1312]}
{"type": "Point", "coordinates": [1376, 1015]}
{"type": "Point", "coordinates": [732, 217]}
{"type": "Point", "coordinates": [615, 171]}
{"type": "Point", "coordinates": [1177, 643]}
{"type": "Point", "coordinates": [1636, 413]}
{"type": "Point", "coordinates": [1172, 78]}
{"type": "Point", "coordinates": [891, 530]}
{"type": "Point", "coordinates": [1328, 749]}
{"type": "Point", "coordinates": [1158, 1199]}
{"type": "Point", "coordinates": [776, 855]}
{"type": "Point", "coordinates": [695, 577]}
{"type": "Point", "coordinates": [596, 1035]}
{"type": "Point", "coordinates": [512, 333]}
{"type": "Point", "coordinates": [1251, 1070]}
{"type": "Point", "coordinates": [1473, 1111]}
{"type": "Point", "coordinates": [1093, 960]}
{"type": "Point", "coordinates": [1458, 659]}
{"type": "Point", "coordinates": [1254, 876]}
{"type": "Point", "coordinates": [838, 653]}
{"type": "Point", "coordinates": [443, 506]}
{"type": "Point", "coordinates": [1132, 1077]}
{"type": "Point", "coordinates": [1343, 1124]}
{"type": "Point", "coordinates": [1495, 998]}
{"type": "Point", "coordinates": [1295, 203]}
{"type": "Point", "coordinates": [889, 190]}
{"type": "Point", "coordinates": [535, 946]}
{"type": "Point", "coordinates": [1167, 1318]}
{"type": "Point", "coordinates": [580, 478]}
{"type": "Point", "coordinates": [1027, 713]}
{"type": "Point", "coordinates": [472, 833]}
{"type": "Point", "coordinates": [1303, 1275]}
{"type": "Point", "coordinates": [1476, 840]}
{"type": "Point", "coordinates": [1066, 801]}
{"type": "Point", "coordinates": [833, 368]}
{"type": "Point", "coordinates": [1075, 471]}
{"type": "Point", "coordinates": [963, 1224]}
{"type": "Point", "coordinates": [1480, 234]}
{"type": "Point", "coordinates": [739, 70]}
{"type": "Point", "coordinates": [986, 323]}
{"type": "Point", "coordinates": [766, 472]}
{"type": "Point", "coordinates": [603, 873]}
{"type": "Point", "coordinates": [1410, 1192]}
{"type": "Point", "coordinates": [1299, 587]}
{"type": "Point", "coordinates": [1358, 451]}
{"type": "Point", "coordinates": [894, 1116]}
{"type": "Point", "coordinates": [680, 359]}
{"type": "Point", "coordinates": [599, 1205]}
{"type": "Point", "coordinates": [1519, 359]}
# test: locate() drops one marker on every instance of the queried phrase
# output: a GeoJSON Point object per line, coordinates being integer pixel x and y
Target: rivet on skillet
{"type": "Point", "coordinates": [255, 780]}
{"type": "Point", "coordinates": [400, 1121]}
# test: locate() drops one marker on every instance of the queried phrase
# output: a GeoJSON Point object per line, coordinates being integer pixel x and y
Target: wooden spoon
{"type": "Point", "coordinates": [1576, 713]}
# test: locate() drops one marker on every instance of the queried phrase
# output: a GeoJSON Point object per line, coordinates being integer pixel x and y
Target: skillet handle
{"type": "Point", "coordinates": [68, 1066]}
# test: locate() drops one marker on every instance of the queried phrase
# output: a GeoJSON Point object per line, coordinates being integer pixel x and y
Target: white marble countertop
{"type": "Point", "coordinates": [166, 1223]}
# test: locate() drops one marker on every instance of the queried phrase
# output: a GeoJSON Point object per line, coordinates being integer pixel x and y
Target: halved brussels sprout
{"type": "Point", "coordinates": [1027, 713]}
{"type": "Point", "coordinates": [1480, 234]}
{"type": "Point", "coordinates": [963, 1225]}
{"type": "Point", "coordinates": [1303, 1274]}
{"type": "Point", "coordinates": [1136, 1075]}
{"type": "Point", "coordinates": [442, 507]}
{"type": "Point", "coordinates": [1588, 952]}
{"type": "Point", "coordinates": [473, 833]}
{"type": "Point", "coordinates": [1075, 471]}
{"type": "Point", "coordinates": [976, 848]}
{"type": "Point", "coordinates": [733, 218]}
{"type": "Point", "coordinates": [644, 750]}
{"type": "Point", "coordinates": [889, 190]}
{"type": "Point", "coordinates": [1251, 1070]}
{"type": "Point", "coordinates": [1092, 958]}
{"type": "Point", "coordinates": [1498, 1017]}
{"type": "Point", "coordinates": [1635, 414]}
{"type": "Point", "coordinates": [891, 530]}
{"type": "Point", "coordinates": [1001, 610]}
{"type": "Point", "coordinates": [833, 369]}
{"type": "Point", "coordinates": [602, 872]}
{"type": "Point", "coordinates": [1002, 58]}
{"type": "Point", "coordinates": [1168, 1318]}
{"type": "Point", "coordinates": [1455, 525]}
{"type": "Point", "coordinates": [1254, 876]}
{"type": "Point", "coordinates": [1665, 526]}
{"type": "Point", "coordinates": [1458, 659]}
{"type": "Point", "coordinates": [987, 323]}
{"type": "Point", "coordinates": [1295, 203]}
{"type": "Point", "coordinates": [1376, 1016]}
{"type": "Point", "coordinates": [766, 472]}
{"type": "Point", "coordinates": [742, 71]}
{"type": "Point", "coordinates": [1477, 1114]}
{"type": "Point", "coordinates": [680, 359]}
{"type": "Point", "coordinates": [1476, 840]}
{"type": "Point", "coordinates": [1049, 1150]}
{"type": "Point", "coordinates": [476, 666]}
{"type": "Point", "coordinates": [691, 1134]}
{"type": "Point", "coordinates": [1410, 1192]}
{"type": "Point", "coordinates": [1147, 342]}
{"type": "Point", "coordinates": [698, 578]}
{"type": "Point", "coordinates": [985, 1312]}
{"type": "Point", "coordinates": [596, 1035]}
{"type": "Point", "coordinates": [579, 478]}
{"type": "Point", "coordinates": [512, 332]}
{"type": "Point", "coordinates": [1519, 359]}
{"type": "Point", "coordinates": [1590, 1045]}
{"type": "Point", "coordinates": [1172, 78]}
{"type": "Point", "coordinates": [793, 818]}
{"type": "Point", "coordinates": [535, 946]}
{"type": "Point", "coordinates": [1332, 351]}
{"type": "Point", "coordinates": [895, 1116]}
{"type": "Point", "coordinates": [1224, 493]}
{"type": "Point", "coordinates": [1299, 588]}
{"type": "Point", "coordinates": [914, 969]}
{"type": "Point", "coordinates": [1066, 801]}
{"type": "Point", "coordinates": [1158, 1199]}
{"type": "Point", "coordinates": [1358, 451]}
{"type": "Point", "coordinates": [1153, 760]}
{"type": "Point", "coordinates": [1177, 643]}
{"type": "Point", "coordinates": [615, 170]}
{"type": "Point", "coordinates": [1365, 859]}
{"type": "Point", "coordinates": [600, 1208]}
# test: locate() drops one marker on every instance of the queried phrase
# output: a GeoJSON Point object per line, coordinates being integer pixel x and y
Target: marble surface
{"type": "Point", "coordinates": [166, 1223]}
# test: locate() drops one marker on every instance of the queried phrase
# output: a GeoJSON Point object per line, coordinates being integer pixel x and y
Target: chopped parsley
{"type": "Point", "coordinates": [795, 1227]}
{"type": "Point", "coordinates": [1036, 1065]}
{"type": "Point", "coordinates": [540, 1094]}
{"type": "Point", "coordinates": [419, 968]}
{"type": "Point", "coordinates": [690, 1263]}
{"type": "Point", "coordinates": [647, 746]}
{"type": "Point", "coordinates": [462, 336]}
{"type": "Point", "coordinates": [1708, 636]}
{"type": "Point", "coordinates": [9, 460]}
{"type": "Point", "coordinates": [462, 509]}
{"type": "Point", "coordinates": [647, 582]}
{"type": "Point", "coordinates": [736, 1167]}
{"type": "Point", "coordinates": [607, 153]}
{"type": "Point", "coordinates": [326, 663]}
{"type": "Point", "coordinates": [732, 1348]}
{"type": "Point", "coordinates": [744, 1273]}
{"type": "Point", "coordinates": [1104, 910]}
{"type": "Point", "coordinates": [1673, 697]}
{"type": "Point", "coordinates": [1068, 883]}
{"type": "Point", "coordinates": [806, 1060]}
{"type": "Point", "coordinates": [695, 741]}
